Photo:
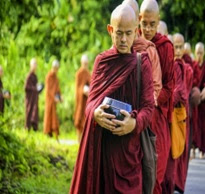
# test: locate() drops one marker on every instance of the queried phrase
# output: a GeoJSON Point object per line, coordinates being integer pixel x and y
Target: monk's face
{"type": "Point", "coordinates": [199, 52]}
{"type": "Point", "coordinates": [148, 24]}
{"type": "Point", "coordinates": [123, 34]}
{"type": "Point", "coordinates": [178, 48]}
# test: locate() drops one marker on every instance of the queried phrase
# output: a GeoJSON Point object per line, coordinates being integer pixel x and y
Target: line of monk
{"type": "Point", "coordinates": [110, 156]}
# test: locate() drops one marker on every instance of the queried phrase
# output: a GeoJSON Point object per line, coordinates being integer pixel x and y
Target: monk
{"type": "Point", "coordinates": [31, 98]}
{"type": "Point", "coordinates": [3, 95]}
{"type": "Point", "coordinates": [109, 158]}
{"type": "Point", "coordinates": [53, 96]}
{"type": "Point", "coordinates": [149, 20]}
{"type": "Point", "coordinates": [162, 28]}
{"type": "Point", "coordinates": [201, 74]}
{"type": "Point", "coordinates": [175, 172]}
{"type": "Point", "coordinates": [143, 45]}
{"type": "Point", "coordinates": [82, 78]}
{"type": "Point", "coordinates": [197, 69]}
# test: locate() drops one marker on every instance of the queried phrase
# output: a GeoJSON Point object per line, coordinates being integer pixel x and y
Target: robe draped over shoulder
{"type": "Point", "coordinates": [107, 163]}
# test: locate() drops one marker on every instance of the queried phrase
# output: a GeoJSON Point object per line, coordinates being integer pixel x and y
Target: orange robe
{"type": "Point", "coordinates": [143, 45]}
{"type": "Point", "coordinates": [50, 116]}
{"type": "Point", "coordinates": [82, 78]}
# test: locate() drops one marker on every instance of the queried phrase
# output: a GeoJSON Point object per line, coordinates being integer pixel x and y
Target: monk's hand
{"type": "Point", "coordinates": [126, 126]}
{"type": "Point", "coordinates": [202, 95]}
{"type": "Point", "coordinates": [104, 119]}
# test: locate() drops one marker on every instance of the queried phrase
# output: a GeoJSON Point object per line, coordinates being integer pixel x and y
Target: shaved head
{"type": "Point", "coordinates": [84, 60]}
{"type": "Point", "coordinates": [178, 37]}
{"type": "Point", "coordinates": [33, 64]}
{"type": "Point", "coordinates": [123, 13]}
{"type": "Point", "coordinates": [178, 42]}
{"type": "Point", "coordinates": [134, 5]}
{"type": "Point", "coordinates": [199, 53]}
{"type": "Point", "coordinates": [162, 28]}
{"type": "Point", "coordinates": [187, 48]}
{"type": "Point", "coordinates": [123, 28]}
{"type": "Point", "coordinates": [55, 64]}
{"type": "Point", "coordinates": [149, 6]}
{"type": "Point", "coordinates": [149, 18]}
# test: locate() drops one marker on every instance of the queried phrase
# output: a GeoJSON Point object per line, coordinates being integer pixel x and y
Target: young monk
{"type": "Point", "coordinates": [31, 98]}
{"type": "Point", "coordinates": [162, 28]}
{"type": "Point", "coordinates": [109, 158]}
{"type": "Point", "coordinates": [149, 20]}
{"type": "Point", "coordinates": [2, 94]}
{"type": "Point", "coordinates": [178, 166]}
{"type": "Point", "coordinates": [142, 45]}
{"type": "Point", "coordinates": [52, 91]}
{"type": "Point", "coordinates": [82, 78]}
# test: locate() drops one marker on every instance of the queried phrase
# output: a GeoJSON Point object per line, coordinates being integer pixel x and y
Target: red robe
{"type": "Point", "coordinates": [108, 163]}
{"type": "Point", "coordinates": [1, 98]}
{"type": "Point", "coordinates": [31, 101]}
{"type": "Point", "coordinates": [196, 82]}
{"type": "Point", "coordinates": [201, 111]}
{"type": "Point", "coordinates": [162, 114]}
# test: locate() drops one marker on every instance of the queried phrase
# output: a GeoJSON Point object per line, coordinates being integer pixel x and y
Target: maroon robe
{"type": "Point", "coordinates": [31, 101]}
{"type": "Point", "coordinates": [1, 98]}
{"type": "Point", "coordinates": [162, 114]}
{"type": "Point", "coordinates": [187, 59]}
{"type": "Point", "coordinates": [201, 110]}
{"type": "Point", "coordinates": [107, 163]}
{"type": "Point", "coordinates": [196, 130]}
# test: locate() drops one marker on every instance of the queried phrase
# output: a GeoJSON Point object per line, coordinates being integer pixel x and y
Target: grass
{"type": "Point", "coordinates": [41, 165]}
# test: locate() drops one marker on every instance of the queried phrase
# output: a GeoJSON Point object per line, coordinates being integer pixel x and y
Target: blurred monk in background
{"type": "Point", "coordinates": [52, 90]}
{"type": "Point", "coordinates": [82, 82]}
{"type": "Point", "coordinates": [31, 98]}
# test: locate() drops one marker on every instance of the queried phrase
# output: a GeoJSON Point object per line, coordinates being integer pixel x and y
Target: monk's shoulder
{"type": "Point", "coordinates": [145, 60]}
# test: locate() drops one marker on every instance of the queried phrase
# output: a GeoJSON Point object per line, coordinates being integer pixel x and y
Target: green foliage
{"type": "Point", "coordinates": [34, 163]}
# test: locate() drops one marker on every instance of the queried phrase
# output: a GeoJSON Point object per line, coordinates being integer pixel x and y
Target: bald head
{"type": "Point", "coordinates": [162, 28]}
{"type": "Point", "coordinates": [178, 42]}
{"type": "Point", "coordinates": [199, 52]}
{"type": "Point", "coordinates": [134, 5]}
{"type": "Point", "coordinates": [178, 38]}
{"type": "Point", "coordinates": [123, 28]}
{"type": "Point", "coordinates": [187, 48]}
{"type": "Point", "coordinates": [149, 6]}
{"type": "Point", "coordinates": [123, 13]}
{"type": "Point", "coordinates": [33, 64]}
{"type": "Point", "coordinates": [84, 61]}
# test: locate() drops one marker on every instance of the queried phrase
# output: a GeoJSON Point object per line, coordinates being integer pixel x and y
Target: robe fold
{"type": "Point", "coordinates": [162, 113]}
{"type": "Point", "coordinates": [143, 45]}
{"type": "Point", "coordinates": [51, 124]}
{"type": "Point", "coordinates": [82, 78]}
{"type": "Point", "coordinates": [201, 110]}
{"type": "Point", "coordinates": [108, 163]}
{"type": "Point", "coordinates": [1, 97]}
{"type": "Point", "coordinates": [31, 101]}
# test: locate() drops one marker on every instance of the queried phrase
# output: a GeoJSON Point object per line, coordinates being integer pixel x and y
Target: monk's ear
{"type": "Point", "coordinates": [140, 17]}
{"type": "Point", "coordinates": [110, 29]}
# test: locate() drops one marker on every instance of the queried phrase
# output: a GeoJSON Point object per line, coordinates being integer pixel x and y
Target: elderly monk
{"type": "Point", "coordinates": [149, 20]}
{"type": "Point", "coordinates": [143, 45]}
{"type": "Point", "coordinates": [197, 69]}
{"type": "Point", "coordinates": [31, 98]}
{"type": "Point", "coordinates": [162, 28]}
{"type": "Point", "coordinates": [109, 158]}
{"type": "Point", "coordinates": [3, 95]}
{"type": "Point", "coordinates": [82, 82]}
{"type": "Point", "coordinates": [52, 91]}
{"type": "Point", "coordinates": [178, 166]}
